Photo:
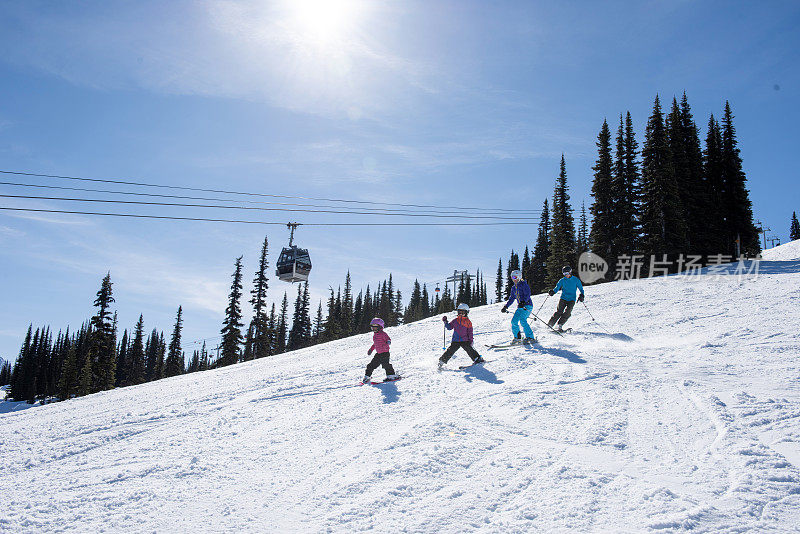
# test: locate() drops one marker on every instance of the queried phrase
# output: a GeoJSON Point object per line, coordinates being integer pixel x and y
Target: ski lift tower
{"type": "Point", "coordinates": [458, 276]}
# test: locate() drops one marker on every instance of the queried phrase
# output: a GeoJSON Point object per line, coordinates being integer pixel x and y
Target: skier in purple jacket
{"type": "Point", "coordinates": [521, 294]}
{"type": "Point", "coordinates": [462, 336]}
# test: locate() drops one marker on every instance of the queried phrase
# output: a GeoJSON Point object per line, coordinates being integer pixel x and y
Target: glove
{"type": "Point", "coordinates": [580, 297]}
{"type": "Point", "coordinates": [551, 292]}
{"type": "Point", "coordinates": [444, 319]}
{"type": "Point", "coordinates": [369, 352]}
{"type": "Point", "coordinates": [505, 309]}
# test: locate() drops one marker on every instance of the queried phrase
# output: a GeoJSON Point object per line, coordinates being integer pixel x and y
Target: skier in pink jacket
{"type": "Point", "coordinates": [380, 344]}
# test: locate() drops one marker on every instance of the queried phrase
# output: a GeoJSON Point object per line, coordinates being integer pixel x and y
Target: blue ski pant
{"type": "Point", "coordinates": [521, 316]}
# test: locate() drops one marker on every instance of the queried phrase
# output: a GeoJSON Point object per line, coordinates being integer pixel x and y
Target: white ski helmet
{"type": "Point", "coordinates": [516, 274]}
{"type": "Point", "coordinates": [463, 307]}
{"type": "Point", "coordinates": [566, 270]}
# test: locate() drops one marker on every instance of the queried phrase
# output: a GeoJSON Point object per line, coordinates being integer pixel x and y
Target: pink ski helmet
{"type": "Point", "coordinates": [377, 321]}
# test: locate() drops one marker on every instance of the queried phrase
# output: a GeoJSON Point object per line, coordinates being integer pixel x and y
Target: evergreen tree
{"type": "Point", "coordinates": [562, 234]}
{"type": "Point", "coordinates": [19, 378]}
{"type": "Point", "coordinates": [161, 351]}
{"type": "Point", "coordinates": [712, 170]}
{"type": "Point", "coordinates": [136, 362]}
{"type": "Point", "coordinates": [628, 191]}
{"type": "Point", "coordinates": [498, 284]}
{"type": "Point", "coordinates": [583, 231]}
{"type": "Point", "coordinates": [663, 225]}
{"type": "Point", "coordinates": [272, 332]}
{"type": "Point", "coordinates": [102, 346]}
{"type": "Point", "coordinates": [259, 336]}
{"type": "Point", "coordinates": [175, 363]}
{"type": "Point", "coordinates": [397, 309]}
{"type": "Point", "coordinates": [247, 352]}
{"type": "Point", "coordinates": [319, 323]}
{"type": "Point", "coordinates": [692, 187]}
{"type": "Point", "coordinates": [605, 205]}
{"type": "Point", "coordinates": [794, 227]}
{"type": "Point", "coordinates": [425, 305]}
{"type": "Point", "coordinates": [527, 273]}
{"type": "Point", "coordinates": [122, 360]}
{"type": "Point", "coordinates": [68, 382]}
{"type": "Point", "coordinates": [282, 328]}
{"type": "Point", "coordinates": [300, 334]}
{"type": "Point", "coordinates": [5, 372]}
{"type": "Point", "coordinates": [85, 380]}
{"type": "Point", "coordinates": [231, 330]}
{"type": "Point", "coordinates": [347, 307]}
{"type": "Point", "coordinates": [541, 252]}
{"type": "Point", "coordinates": [736, 200]}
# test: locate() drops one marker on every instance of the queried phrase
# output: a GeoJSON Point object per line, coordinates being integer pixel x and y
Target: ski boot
{"type": "Point", "coordinates": [392, 378]}
{"type": "Point", "coordinates": [366, 380]}
{"type": "Point", "coordinates": [440, 366]}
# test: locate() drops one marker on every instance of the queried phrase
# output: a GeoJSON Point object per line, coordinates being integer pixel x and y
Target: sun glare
{"type": "Point", "coordinates": [323, 21]}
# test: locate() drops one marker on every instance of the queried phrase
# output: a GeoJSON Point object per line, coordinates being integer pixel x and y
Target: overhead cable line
{"type": "Point", "coordinates": [217, 199]}
{"type": "Point", "coordinates": [184, 188]}
{"type": "Point", "coordinates": [138, 216]}
{"type": "Point", "coordinates": [258, 208]}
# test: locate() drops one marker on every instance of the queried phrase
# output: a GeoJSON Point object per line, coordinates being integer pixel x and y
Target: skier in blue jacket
{"type": "Point", "coordinates": [569, 286]}
{"type": "Point", "coordinates": [521, 294]}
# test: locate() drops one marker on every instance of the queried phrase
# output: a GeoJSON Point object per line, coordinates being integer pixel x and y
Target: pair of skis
{"type": "Point", "coordinates": [384, 381]}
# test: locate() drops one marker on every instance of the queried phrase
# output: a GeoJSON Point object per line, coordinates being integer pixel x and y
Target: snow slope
{"type": "Point", "coordinates": [678, 409]}
{"type": "Point", "coordinates": [787, 251]}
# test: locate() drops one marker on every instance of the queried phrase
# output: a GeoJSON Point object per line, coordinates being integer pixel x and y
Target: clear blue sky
{"type": "Point", "coordinates": [456, 103]}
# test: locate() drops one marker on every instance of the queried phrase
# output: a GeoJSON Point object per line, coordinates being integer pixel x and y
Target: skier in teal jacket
{"type": "Point", "coordinates": [569, 286]}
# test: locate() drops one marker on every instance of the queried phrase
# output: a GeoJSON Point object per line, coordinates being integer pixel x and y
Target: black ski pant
{"type": "Point", "coordinates": [454, 346]}
{"type": "Point", "coordinates": [380, 358]}
{"type": "Point", "coordinates": [563, 311]}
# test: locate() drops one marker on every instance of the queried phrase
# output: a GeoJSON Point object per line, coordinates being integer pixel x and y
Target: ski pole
{"type": "Point", "coordinates": [593, 319]}
{"type": "Point", "coordinates": [542, 306]}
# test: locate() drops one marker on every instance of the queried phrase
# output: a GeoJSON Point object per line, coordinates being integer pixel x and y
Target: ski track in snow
{"type": "Point", "coordinates": [679, 409]}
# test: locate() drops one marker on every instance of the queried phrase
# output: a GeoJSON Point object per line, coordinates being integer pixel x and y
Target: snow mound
{"type": "Point", "coordinates": [677, 409]}
{"type": "Point", "coordinates": [786, 252]}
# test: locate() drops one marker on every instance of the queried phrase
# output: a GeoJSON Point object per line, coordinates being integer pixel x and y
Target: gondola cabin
{"type": "Point", "coordinates": [294, 265]}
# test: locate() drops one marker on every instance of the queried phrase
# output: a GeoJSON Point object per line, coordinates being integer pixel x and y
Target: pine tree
{"type": "Point", "coordinates": [319, 323]}
{"type": "Point", "coordinates": [663, 225]}
{"type": "Point", "coordinates": [540, 253]}
{"type": "Point", "coordinates": [583, 231]}
{"type": "Point", "coordinates": [68, 382]}
{"type": "Point", "coordinates": [160, 354]}
{"type": "Point", "coordinates": [102, 346]}
{"type": "Point", "coordinates": [282, 328]}
{"type": "Point", "coordinates": [5, 372]}
{"type": "Point", "coordinates": [175, 363]}
{"type": "Point", "coordinates": [562, 235]}
{"type": "Point", "coordinates": [714, 187]}
{"type": "Point", "coordinates": [498, 284]}
{"type": "Point", "coordinates": [231, 330]}
{"type": "Point", "coordinates": [739, 209]}
{"type": "Point", "coordinates": [605, 205]}
{"type": "Point", "coordinates": [272, 326]}
{"type": "Point", "coordinates": [794, 227]}
{"type": "Point", "coordinates": [347, 307]}
{"type": "Point", "coordinates": [628, 191]}
{"type": "Point", "coordinates": [259, 335]}
{"type": "Point", "coordinates": [300, 334]}
{"type": "Point", "coordinates": [526, 265]}
{"type": "Point", "coordinates": [136, 362]}
{"type": "Point", "coordinates": [85, 380]}
{"type": "Point", "coordinates": [694, 193]}
{"type": "Point", "coordinates": [122, 360]}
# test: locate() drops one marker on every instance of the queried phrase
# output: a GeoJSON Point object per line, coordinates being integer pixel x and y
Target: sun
{"type": "Point", "coordinates": [323, 21]}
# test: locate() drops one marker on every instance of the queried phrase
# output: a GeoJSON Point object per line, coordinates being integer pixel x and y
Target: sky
{"type": "Point", "coordinates": [452, 104]}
